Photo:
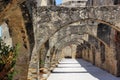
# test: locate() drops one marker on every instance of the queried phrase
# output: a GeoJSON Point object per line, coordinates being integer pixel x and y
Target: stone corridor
{"type": "Point", "coordinates": [93, 31]}
{"type": "Point", "coordinates": [47, 33]}
{"type": "Point", "coordinates": [78, 69]}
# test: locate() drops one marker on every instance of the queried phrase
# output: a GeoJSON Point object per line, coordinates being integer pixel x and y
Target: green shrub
{"type": "Point", "coordinates": [7, 60]}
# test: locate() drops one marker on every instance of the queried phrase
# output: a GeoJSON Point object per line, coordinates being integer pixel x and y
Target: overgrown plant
{"type": "Point", "coordinates": [7, 60]}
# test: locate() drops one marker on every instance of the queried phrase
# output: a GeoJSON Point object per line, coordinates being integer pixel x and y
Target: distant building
{"type": "Point", "coordinates": [99, 2]}
{"type": "Point", "coordinates": [103, 2]}
{"type": "Point", "coordinates": [74, 3]}
{"type": "Point", "coordinates": [80, 3]}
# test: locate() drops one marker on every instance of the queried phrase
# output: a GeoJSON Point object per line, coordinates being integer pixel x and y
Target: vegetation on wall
{"type": "Point", "coordinates": [7, 60]}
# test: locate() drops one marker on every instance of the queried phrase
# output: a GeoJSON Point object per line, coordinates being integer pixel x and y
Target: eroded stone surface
{"type": "Point", "coordinates": [50, 20]}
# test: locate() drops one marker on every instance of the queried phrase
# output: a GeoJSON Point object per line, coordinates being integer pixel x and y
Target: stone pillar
{"type": "Point", "coordinates": [73, 51]}
{"type": "Point", "coordinates": [19, 36]}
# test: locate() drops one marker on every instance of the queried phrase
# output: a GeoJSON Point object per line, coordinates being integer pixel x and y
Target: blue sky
{"type": "Point", "coordinates": [58, 1]}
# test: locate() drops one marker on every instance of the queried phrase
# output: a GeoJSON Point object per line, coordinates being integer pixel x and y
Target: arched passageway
{"type": "Point", "coordinates": [49, 33]}
{"type": "Point", "coordinates": [94, 37]}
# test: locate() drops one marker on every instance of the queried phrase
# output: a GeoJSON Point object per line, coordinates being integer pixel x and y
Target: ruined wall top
{"type": "Point", "coordinates": [63, 1]}
{"type": "Point", "coordinates": [49, 19]}
{"type": "Point", "coordinates": [100, 2]}
{"type": "Point", "coordinates": [74, 3]}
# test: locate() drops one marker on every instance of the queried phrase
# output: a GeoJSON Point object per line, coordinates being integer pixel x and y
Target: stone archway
{"type": "Point", "coordinates": [49, 20]}
{"type": "Point", "coordinates": [50, 25]}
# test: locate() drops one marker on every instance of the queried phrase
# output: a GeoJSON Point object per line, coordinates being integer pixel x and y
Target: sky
{"type": "Point", "coordinates": [58, 1]}
{"type": "Point", "coordinates": [0, 31]}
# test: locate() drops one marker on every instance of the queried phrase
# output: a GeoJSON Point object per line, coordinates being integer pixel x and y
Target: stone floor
{"type": "Point", "coordinates": [71, 69]}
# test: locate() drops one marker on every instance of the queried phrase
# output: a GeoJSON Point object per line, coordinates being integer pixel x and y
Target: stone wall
{"type": "Point", "coordinates": [103, 55]}
{"type": "Point", "coordinates": [69, 51]}
{"type": "Point", "coordinates": [58, 24]}
{"type": "Point", "coordinates": [6, 34]}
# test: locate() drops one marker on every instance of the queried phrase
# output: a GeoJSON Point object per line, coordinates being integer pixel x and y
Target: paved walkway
{"type": "Point", "coordinates": [71, 69]}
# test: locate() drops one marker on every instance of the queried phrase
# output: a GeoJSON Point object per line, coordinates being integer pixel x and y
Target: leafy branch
{"type": "Point", "coordinates": [7, 60]}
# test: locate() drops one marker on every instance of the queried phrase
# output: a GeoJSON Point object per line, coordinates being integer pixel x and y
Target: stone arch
{"type": "Point", "coordinates": [85, 54]}
{"type": "Point", "coordinates": [58, 50]}
{"type": "Point", "coordinates": [85, 32]}
{"type": "Point", "coordinates": [78, 35]}
{"type": "Point", "coordinates": [54, 26]}
{"type": "Point", "coordinates": [66, 44]}
{"type": "Point", "coordinates": [51, 54]}
{"type": "Point", "coordinates": [58, 30]}
{"type": "Point", "coordinates": [63, 31]}
{"type": "Point", "coordinates": [72, 41]}
{"type": "Point", "coordinates": [47, 37]}
{"type": "Point", "coordinates": [76, 40]}
{"type": "Point", "coordinates": [50, 20]}
{"type": "Point", "coordinates": [89, 34]}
